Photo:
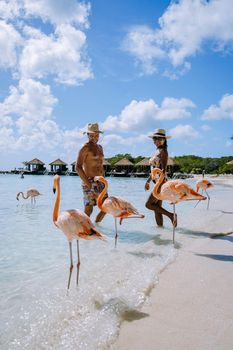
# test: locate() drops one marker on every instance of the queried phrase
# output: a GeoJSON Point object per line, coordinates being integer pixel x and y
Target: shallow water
{"type": "Point", "coordinates": [36, 312]}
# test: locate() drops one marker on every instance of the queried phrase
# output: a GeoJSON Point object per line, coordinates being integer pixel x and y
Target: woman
{"type": "Point", "coordinates": [159, 160]}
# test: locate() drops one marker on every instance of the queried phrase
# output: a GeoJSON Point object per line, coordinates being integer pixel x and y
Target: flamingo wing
{"type": "Point", "coordinates": [33, 192]}
{"type": "Point", "coordinates": [76, 224]}
{"type": "Point", "coordinates": [118, 206]}
{"type": "Point", "coordinates": [172, 191]}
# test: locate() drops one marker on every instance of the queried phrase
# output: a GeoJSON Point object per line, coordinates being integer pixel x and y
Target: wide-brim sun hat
{"type": "Point", "coordinates": [93, 128]}
{"type": "Point", "coordinates": [160, 133]}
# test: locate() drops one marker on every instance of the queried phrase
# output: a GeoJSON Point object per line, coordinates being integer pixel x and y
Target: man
{"type": "Point", "coordinates": [88, 165]}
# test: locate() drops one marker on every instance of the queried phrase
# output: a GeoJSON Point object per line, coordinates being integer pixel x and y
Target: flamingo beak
{"type": "Point", "coordinates": [54, 190]}
{"type": "Point", "coordinates": [196, 195]}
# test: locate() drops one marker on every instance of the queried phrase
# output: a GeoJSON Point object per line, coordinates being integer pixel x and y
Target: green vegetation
{"type": "Point", "coordinates": [195, 165]}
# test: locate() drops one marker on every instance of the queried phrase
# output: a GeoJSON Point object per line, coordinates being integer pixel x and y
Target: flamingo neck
{"type": "Point", "coordinates": [157, 185]}
{"type": "Point", "coordinates": [57, 203]}
{"type": "Point", "coordinates": [21, 193]}
{"type": "Point", "coordinates": [102, 194]}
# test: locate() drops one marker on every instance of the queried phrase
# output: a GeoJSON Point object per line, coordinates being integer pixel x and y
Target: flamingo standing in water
{"type": "Point", "coordinates": [174, 191]}
{"type": "Point", "coordinates": [32, 192]}
{"type": "Point", "coordinates": [204, 184]}
{"type": "Point", "coordinates": [116, 206]}
{"type": "Point", "coordinates": [74, 224]}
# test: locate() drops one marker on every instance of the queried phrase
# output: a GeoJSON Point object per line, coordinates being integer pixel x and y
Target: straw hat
{"type": "Point", "coordinates": [93, 128]}
{"type": "Point", "coordinates": [160, 133]}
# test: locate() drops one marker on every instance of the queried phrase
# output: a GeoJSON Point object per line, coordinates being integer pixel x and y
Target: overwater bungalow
{"type": "Point", "coordinates": [34, 167]}
{"type": "Point", "coordinates": [58, 167]}
{"type": "Point", "coordinates": [142, 168]}
{"type": "Point", "coordinates": [123, 167]}
{"type": "Point", "coordinates": [107, 167]}
{"type": "Point", "coordinates": [73, 172]}
{"type": "Point", "coordinates": [171, 164]}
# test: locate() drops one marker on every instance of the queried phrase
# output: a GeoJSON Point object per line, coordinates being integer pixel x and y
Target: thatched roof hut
{"type": "Point", "coordinates": [230, 162]}
{"type": "Point", "coordinates": [124, 165]}
{"type": "Point", "coordinates": [171, 162]}
{"type": "Point", "coordinates": [124, 162]}
{"type": "Point", "coordinates": [58, 166]}
{"type": "Point", "coordinates": [143, 166]}
{"type": "Point", "coordinates": [144, 162]}
{"type": "Point", "coordinates": [35, 165]}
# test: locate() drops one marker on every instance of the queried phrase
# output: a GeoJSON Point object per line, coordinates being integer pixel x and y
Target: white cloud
{"type": "Point", "coordinates": [140, 116]}
{"type": "Point", "coordinates": [59, 11]}
{"type": "Point", "coordinates": [133, 117]}
{"type": "Point", "coordinates": [6, 138]}
{"type": "Point", "coordinates": [61, 55]}
{"type": "Point", "coordinates": [224, 110]}
{"type": "Point", "coordinates": [184, 132]}
{"type": "Point", "coordinates": [142, 42]}
{"type": "Point", "coordinates": [28, 112]}
{"type": "Point", "coordinates": [72, 139]}
{"type": "Point", "coordinates": [54, 11]}
{"type": "Point", "coordinates": [183, 30]}
{"type": "Point", "coordinates": [32, 53]}
{"type": "Point", "coordinates": [5, 120]}
{"type": "Point", "coordinates": [10, 9]}
{"type": "Point", "coordinates": [27, 122]}
{"type": "Point", "coordinates": [10, 41]}
{"type": "Point", "coordinates": [172, 108]}
{"type": "Point", "coordinates": [31, 101]}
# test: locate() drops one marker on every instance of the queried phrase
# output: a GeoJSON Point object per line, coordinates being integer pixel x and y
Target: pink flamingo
{"type": "Point", "coordinates": [174, 191]}
{"type": "Point", "coordinates": [204, 184]}
{"type": "Point", "coordinates": [116, 206]}
{"type": "Point", "coordinates": [32, 192]}
{"type": "Point", "coordinates": [74, 224]}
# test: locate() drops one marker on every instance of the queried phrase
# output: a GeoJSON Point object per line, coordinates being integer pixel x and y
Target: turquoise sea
{"type": "Point", "coordinates": [36, 312]}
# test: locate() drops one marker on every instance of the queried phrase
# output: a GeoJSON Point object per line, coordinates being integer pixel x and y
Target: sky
{"type": "Point", "coordinates": [132, 66]}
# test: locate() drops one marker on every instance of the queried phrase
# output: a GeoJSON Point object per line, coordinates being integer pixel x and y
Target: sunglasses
{"type": "Point", "coordinates": [158, 139]}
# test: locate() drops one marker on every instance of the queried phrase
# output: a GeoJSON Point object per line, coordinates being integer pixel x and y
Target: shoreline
{"type": "Point", "coordinates": [191, 306]}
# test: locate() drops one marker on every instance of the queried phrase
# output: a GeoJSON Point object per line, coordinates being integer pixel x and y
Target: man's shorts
{"type": "Point", "coordinates": [90, 195]}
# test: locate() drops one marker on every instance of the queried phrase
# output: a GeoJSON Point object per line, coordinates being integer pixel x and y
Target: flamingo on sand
{"type": "Point", "coordinates": [32, 192]}
{"type": "Point", "coordinates": [204, 184]}
{"type": "Point", "coordinates": [74, 224]}
{"type": "Point", "coordinates": [116, 206]}
{"type": "Point", "coordinates": [174, 191]}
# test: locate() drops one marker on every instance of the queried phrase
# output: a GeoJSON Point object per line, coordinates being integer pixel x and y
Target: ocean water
{"type": "Point", "coordinates": [36, 312]}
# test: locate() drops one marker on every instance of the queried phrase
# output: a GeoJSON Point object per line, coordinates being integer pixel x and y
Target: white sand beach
{"type": "Point", "coordinates": [191, 306]}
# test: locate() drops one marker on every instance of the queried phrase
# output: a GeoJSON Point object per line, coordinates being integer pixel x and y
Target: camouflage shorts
{"type": "Point", "coordinates": [90, 195]}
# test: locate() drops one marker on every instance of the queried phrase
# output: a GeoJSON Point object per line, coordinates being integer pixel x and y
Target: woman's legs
{"type": "Point", "coordinates": [156, 205]}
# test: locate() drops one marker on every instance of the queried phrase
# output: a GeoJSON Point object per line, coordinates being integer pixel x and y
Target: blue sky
{"type": "Point", "coordinates": [130, 65]}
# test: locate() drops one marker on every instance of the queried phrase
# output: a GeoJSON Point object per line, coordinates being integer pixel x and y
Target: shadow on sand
{"type": "Point", "coordinates": [220, 257]}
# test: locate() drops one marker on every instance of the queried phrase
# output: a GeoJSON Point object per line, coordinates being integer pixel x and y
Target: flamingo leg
{"type": "Point", "coordinates": [208, 203]}
{"type": "Point", "coordinates": [78, 263]}
{"type": "Point", "coordinates": [173, 232]}
{"type": "Point", "coordinates": [71, 266]}
{"type": "Point", "coordinates": [197, 203]}
{"type": "Point", "coordinates": [116, 235]}
{"type": "Point", "coordinates": [199, 199]}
